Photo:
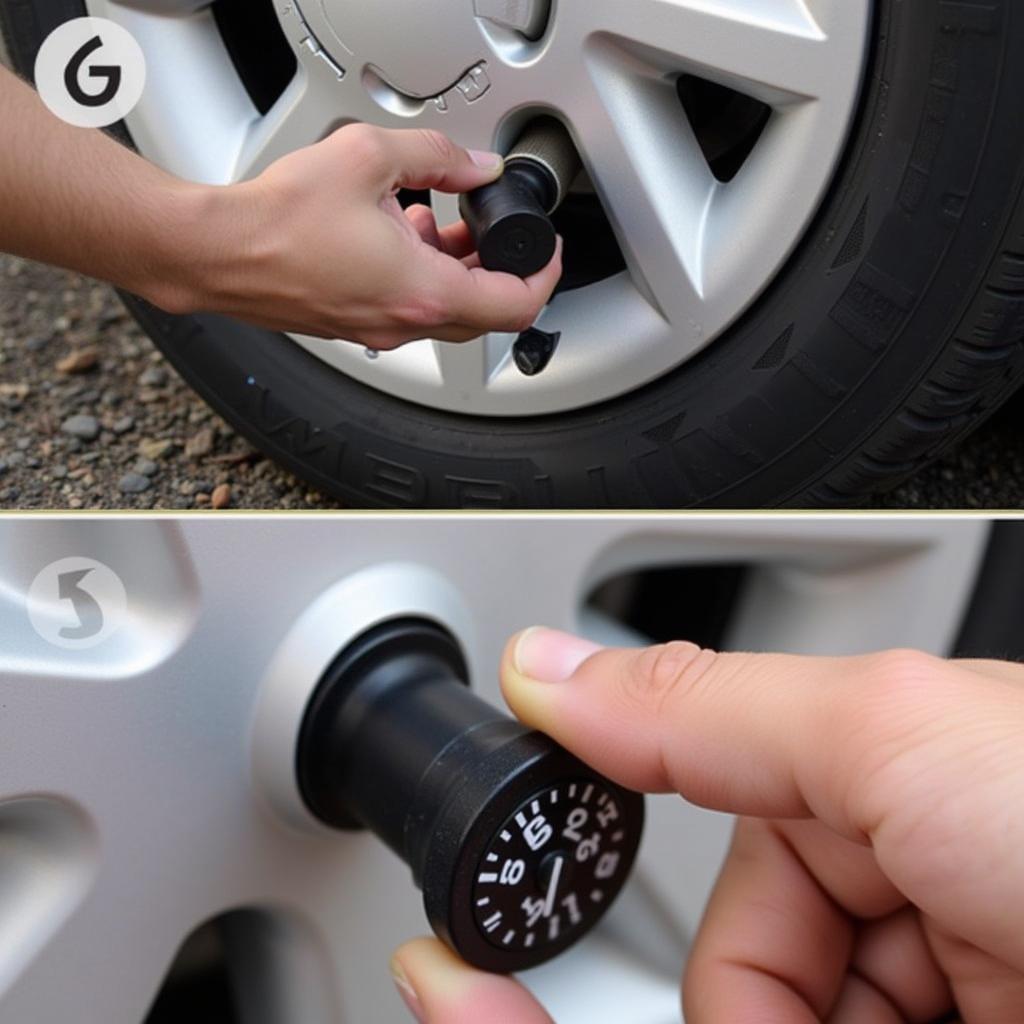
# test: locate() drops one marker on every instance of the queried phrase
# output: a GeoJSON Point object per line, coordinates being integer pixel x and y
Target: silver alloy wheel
{"type": "Point", "coordinates": [698, 251]}
{"type": "Point", "coordinates": [146, 782]}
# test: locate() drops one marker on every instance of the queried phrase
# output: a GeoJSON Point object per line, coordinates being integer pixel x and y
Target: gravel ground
{"type": "Point", "coordinates": [91, 417]}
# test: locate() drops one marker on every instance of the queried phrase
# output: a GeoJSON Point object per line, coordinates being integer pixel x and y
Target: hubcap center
{"type": "Point", "coordinates": [419, 47]}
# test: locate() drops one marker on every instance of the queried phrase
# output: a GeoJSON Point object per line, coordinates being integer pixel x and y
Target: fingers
{"type": "Point", "coordinates": [414, 159]}
{"type": "Point", "coordinates": [439, 988]}
{"type": "Point", "coordinates": [457, 241]}
{"type": "Point", "coordinates": [780, 933]}
{"type": "Point", "coordinates": [463, 300]}
{"type": "Point", "coordinates": [492, 301]}
{"type": "Point", "coordinates": [423, 220]}
{"type": "Point", "coordinates": [772, 946]}
{"type": "Point", "coordinates": [860, 1002]}
{"type": "Point", "coordinates": [762, 735]}
{"type": "Point", "coordinates": [453, 240]}
{"type": "Point", "coordinates": [985, 987]}
{"type": "Point", "coordinates": [894, 956]}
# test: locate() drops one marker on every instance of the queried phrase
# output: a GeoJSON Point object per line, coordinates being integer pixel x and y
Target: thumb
{"type": "Point", "coordinates": [421, 159]}
{"type": "Point", "coordinates": [772, 736]}
{"type": "Point", "coordinates": [439, 988]}
{"type": "Point", "coordinates": [917, 755]}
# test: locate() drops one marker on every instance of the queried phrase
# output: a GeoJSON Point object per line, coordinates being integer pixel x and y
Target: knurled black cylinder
{"type": "Point", "coordinates": [383, 712]}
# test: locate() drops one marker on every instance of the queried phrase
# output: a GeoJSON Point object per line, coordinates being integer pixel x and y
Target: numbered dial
{"type": "Point", "coordinates": [553, 867]}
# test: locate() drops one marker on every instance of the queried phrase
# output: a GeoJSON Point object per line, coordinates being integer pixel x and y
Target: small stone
{"type": "Point", "coordinates": [19, 392]}
{"type": "Point", "coordinates": [145, 467]}
{"type": "Point", "coordinates": [201, 500]}
{"type": "Point", "coordinates": [23, 444]}
{"type": "Point", "coordinates": [87, 428]}
{"type": "Point", "coordinates": [90, 457]}
{"type": "Point", "coordinates": [61, 324]}
{"type": "Point", "coordinates": [133, 483]}
{"type": "Point", "coordinates": [204, 486]}
{"type": "Point", "coordinates": [75, 502]}
{"type": "Point", "coordinates": [151, 448]}
{"type": "Point", "coordinates": [187, 488]}
{"type": "Point", "coordinates": [221, 496]}
{"type": "Point", "coordinates": [154, 377]}
{"type": "Point", "coordinates": [59, 472]}
{"type": "Point", "coordinates": [123, 425]}
{"type": "Point", "coordinates": [36, 343]}
{"type": "Point", "coordinates": [15, 459]}
{"type": "Point", "coordinates": [200, 443]}
{"type": "Point", "coordinates": [33, 463]}
{"type": "Point", "coordinates": [81, 360]}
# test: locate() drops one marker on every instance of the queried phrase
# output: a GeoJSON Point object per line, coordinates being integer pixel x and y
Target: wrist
{"type": "Point", "coordinates": [191, 251]}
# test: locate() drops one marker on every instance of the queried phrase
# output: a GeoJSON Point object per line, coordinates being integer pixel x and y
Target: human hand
{"type": "Point", "coordinates": [319, 245]}
{"type": "Point", "coordinates": [877, 869]}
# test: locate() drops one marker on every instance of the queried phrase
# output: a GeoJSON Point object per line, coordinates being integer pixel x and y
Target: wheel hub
{"type": "Point", "coordinates": [419, 48]}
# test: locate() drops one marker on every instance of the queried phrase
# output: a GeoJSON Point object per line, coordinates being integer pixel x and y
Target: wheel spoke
{"type": "Point", "coordinates": [654, 182]}
{"type": "Point", "coordinates": [111, 956]}
{"type": "Point", "coordinates": [773, 50]}
{"type": "Point", "coordinates": [467, 367]}
{"type": "Point", "coordinates": [303, 115]}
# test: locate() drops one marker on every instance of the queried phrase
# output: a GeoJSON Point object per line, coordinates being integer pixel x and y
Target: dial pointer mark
{"type": "Point", "coordinates": [549, 903]}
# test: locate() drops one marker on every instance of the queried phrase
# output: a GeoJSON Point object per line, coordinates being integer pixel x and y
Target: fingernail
{"type": "Point", "coordinates": [486, 161]}
{"type": "Point", "coordinates": [406, 991]}
{"type": "Point", "coordinates": [550, 656]}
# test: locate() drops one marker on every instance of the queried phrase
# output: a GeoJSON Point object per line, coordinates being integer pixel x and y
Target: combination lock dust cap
{"type": "Point", "coordinates": [510, 219]}
{"type": "Point", "coordinates": [519, 848]}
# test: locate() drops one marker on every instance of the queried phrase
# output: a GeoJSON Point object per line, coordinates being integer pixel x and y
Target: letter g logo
{"type": "Point", "coordinates": [90, 72]}
{"type": "Point", "coordinates": [73, 71]}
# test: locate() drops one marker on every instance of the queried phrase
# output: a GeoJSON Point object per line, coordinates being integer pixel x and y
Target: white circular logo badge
{"type": "Point", "coordinates": [90, 72]}
{"type": "Point", "coordinates": [76, 603]}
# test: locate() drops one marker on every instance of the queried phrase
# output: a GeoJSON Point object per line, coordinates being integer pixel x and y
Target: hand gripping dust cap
{"type": "Point", "coordinates": [519, 847]}
{"type": "Point", "coordinates": [510, 219]}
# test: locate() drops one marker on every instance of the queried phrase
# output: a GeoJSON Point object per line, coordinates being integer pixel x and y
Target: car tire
{"type": "Point", "coordinates": [894, 330]}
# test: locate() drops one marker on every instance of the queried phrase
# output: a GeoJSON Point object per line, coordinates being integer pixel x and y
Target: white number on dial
{"type": "Point", "coordinates": [538, 832]}
{"type": "Point", "coordinates": [512, 872]}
